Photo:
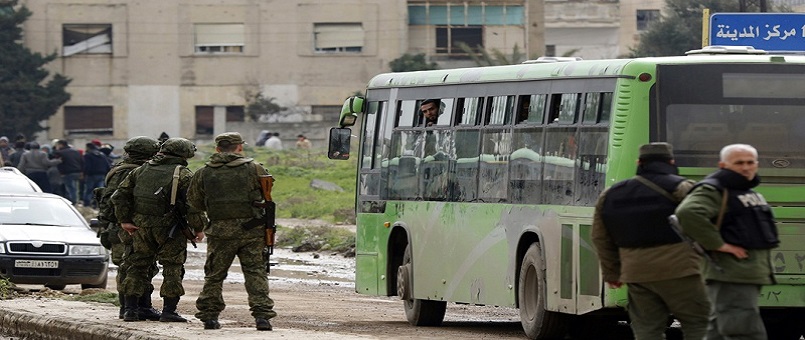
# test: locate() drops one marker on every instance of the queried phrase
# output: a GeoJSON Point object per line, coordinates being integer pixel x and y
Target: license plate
{"type": "Point", "coordinates": [36, 264]}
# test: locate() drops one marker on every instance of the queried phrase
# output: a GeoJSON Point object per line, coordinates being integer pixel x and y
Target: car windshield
{"type": "Point", "coordinates": [38, 211]}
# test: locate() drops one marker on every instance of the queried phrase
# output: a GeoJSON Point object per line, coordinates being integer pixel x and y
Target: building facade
{"type": "Point", "coordinates": [184, 67]}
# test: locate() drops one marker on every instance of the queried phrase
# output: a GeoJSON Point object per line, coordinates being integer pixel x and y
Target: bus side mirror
{"type": "Point", "coordinates": [338, 147]}
{"type": "Point", "coordinates": [349, 111]}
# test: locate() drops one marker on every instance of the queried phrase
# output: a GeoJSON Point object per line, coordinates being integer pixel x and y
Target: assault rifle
{"type": "Point", "coordinates": [179, 212]}
{"type": "Point", "coordinates": [267, 220]}
{"type": "Point", "coordinates": [674, 222]}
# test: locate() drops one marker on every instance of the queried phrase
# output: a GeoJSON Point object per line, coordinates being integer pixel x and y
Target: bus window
{"type": "Point", "coordinates": [434, 168]}
{"type": "Point", "coordinates": [532, 109]}
{"type": "Point", "coordinates": [569, 108]}
{"type": "Point", "coordinates": [525, 168]}
{"type": "Point", "coordinates": [368, 149]}
{"type": "Point", "coordinates": [403, 165]}
{"type": "Point", "coordinates": [445, 113]}
{"type": "Point", "coordinates": [465, 173]}
{"type": "Point", "coordinates": [494, 165]}
{"type": "Point", "coordinates": [500, 110]}
{"type": "Point", "coordinates": [559, 165]}
{"type": "Point", "coordinates": [591, 106]}
{"type": "Point", "coordinates": [408, 110]}
{"type": "Point", "coordinates": [606, 107]}
{"type": "Point", "coordinates": [592, 162]}
{"type": "Point", "coordinates": [469, 110]}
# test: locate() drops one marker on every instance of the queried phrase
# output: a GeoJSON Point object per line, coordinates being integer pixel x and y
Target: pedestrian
{"type": "Point", "coordinates": [303, 143]}
{"type": "Point", "coordinates": [35, 164]}
{"type": "Point", "coordinates": [137, 150]}
{"type": "Point", "coordinates": [96, 166]}
{"type": "Point", "coordinates": [146, 207]}
{"type": "Point", "coordinates": [71, 168]}
{"type": "Point", "coordinates": [227, 188]}
{"type": "Point", "coordinates": [734, 223]}
{"type": "Point", "coordinates": [274, 142]}
{"type": "Point", "coordinates": [5, 149]}
{"type": "Point", "coordinates": [14, 157]}
{"type": "Point", "coordinates": [637, 246]}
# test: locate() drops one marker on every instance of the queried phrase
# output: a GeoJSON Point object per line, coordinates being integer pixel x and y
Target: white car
{"type": "Point", "coordinates": [45, 240]}
{"type": "Point", "coordinates": [12, 180]}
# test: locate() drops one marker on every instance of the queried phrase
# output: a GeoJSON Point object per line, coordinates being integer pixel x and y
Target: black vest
{"type": "Point", "coordinates": [636, 215]}
{"type": "Point", "coordinates": [748, 222]}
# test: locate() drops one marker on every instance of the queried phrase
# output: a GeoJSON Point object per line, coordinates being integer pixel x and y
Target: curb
{"type": "Point", "coordinates": [27, 325]}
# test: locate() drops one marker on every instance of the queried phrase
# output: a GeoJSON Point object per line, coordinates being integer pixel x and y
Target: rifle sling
{"type": "Point", "coordinates": [670, 197]}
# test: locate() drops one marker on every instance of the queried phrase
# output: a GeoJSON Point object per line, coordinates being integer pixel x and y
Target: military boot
{"type": "Point", "coordinates": [131, 308]}
{"type": "Point", "coordinates": [169, 310]}
{"type": "Point", "coordinates": [146, 311]}
{"type": "Point", "coordinates": [262, 324]}
{"type": "Point", "coordinates": [122, 299]}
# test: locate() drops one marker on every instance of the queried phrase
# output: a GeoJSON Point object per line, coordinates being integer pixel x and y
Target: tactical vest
{"type": "Point", "coordinates": [152, 192]}
{"type": "Point", "coordinates": [748, 222]}
{"type": "Point", "coordinates": [230, 190]}
{"type": "Point", "coordinates": [636, 215]}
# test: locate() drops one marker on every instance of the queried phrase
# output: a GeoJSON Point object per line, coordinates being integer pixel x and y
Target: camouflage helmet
{"type": "Point", "coordinates": [178, 147]}
{"type": "Point", "coordinates": [141, 145]}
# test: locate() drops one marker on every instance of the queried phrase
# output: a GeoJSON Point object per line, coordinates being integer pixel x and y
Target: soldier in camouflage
{"type": "Point", "coordinates": [143, 208]}
{"type": "Point", "coordinates": [226, 188]}
{"type": "Point", "coordinates": [138, 151]}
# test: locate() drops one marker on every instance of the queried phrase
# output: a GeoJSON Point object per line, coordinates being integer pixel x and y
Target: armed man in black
{"type": "Point", "coordinates": [228, 189]}
{"type": "Point", "coordinates": [637, 246]}
{"type": "Point", "coordinates": [146, 205]}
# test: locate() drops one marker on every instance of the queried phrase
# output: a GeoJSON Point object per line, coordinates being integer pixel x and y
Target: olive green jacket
{"type": "Point", "coordinates": [696, 214]}
{"type": "Point", "coordinates": [649, 264]}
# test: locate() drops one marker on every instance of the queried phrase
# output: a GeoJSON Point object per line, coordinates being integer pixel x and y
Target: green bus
{"type": "Point", "coordinates": [492, 204]}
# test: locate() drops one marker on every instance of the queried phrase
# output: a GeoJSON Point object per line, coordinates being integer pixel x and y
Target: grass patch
{"type": "Point", "coordinates": [100, 296]}
{"type": "Point", "coordinates": [5, 288]}
{"type": "Point", "coordinates": [293, 170]}
{"type": "Point", "coordinates": [316, 238]}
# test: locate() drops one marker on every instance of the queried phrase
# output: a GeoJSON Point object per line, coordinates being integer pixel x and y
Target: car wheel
{"type": "Point", "coordinates": [56, 287]}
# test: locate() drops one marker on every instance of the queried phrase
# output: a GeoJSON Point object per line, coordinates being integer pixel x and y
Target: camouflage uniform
{"type": "Point", "coordinates": [233, 180]}
{"type": "Point", "coordinates": [148, 213]}
{"type": "Point", "coordinates": [138, 151]}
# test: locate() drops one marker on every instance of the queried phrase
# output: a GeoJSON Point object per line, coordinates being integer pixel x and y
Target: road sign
{"type": "Point", "coordinates": [782, 32]}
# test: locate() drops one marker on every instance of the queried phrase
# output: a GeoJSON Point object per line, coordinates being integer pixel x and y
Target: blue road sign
{"type": "Point", "coordinates": [783, 32]}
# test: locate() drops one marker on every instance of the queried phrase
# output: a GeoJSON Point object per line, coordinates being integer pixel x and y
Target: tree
{"type": "Point", "coordinates": [27, 96]}
{"type": "Point", "coordinates": [680, 28]}
{"type": "Point", "coordinates": [410, 62]}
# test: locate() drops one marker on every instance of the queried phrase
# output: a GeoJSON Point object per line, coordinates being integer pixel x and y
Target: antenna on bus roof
{"type": "Point", "coordinates": [541, 60]}
{"type": "Point", "coordinates": [719, 49]}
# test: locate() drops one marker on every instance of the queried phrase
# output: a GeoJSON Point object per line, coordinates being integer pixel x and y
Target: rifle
{"type": "Point", "coordinates": [268, 218]}
{"type": "Point", "coordinates": [178, 203]}
{"type": "Point", "coordinates": [674, 222]}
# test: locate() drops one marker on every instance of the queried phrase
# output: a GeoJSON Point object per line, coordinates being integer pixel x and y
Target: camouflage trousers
{"type": "Point", "coordinates": [121, 249]}
{"type": "Point", "coordinates": [150, 245]}
{"type": "Point", "coordinates": [220, 254]}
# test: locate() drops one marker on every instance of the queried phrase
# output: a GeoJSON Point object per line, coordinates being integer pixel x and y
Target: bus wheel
{"type": "Point", "coordinates": [537, 322]}
{"type": "Point", "coordinates": [418, 312]}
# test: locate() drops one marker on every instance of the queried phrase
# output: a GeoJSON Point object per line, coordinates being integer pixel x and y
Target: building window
{"type": "Point", "coordinates": [448, 39]}
{"type": "Point", "coordinates": [86, 39]}
{"type": "Point", "coordinates": [97, 120]}
{"type": "Point", "coordinates": [338, 37]}
{"type": "Point", "coordinates": [466, 14]}
{"type": "Point", "coordinates": [219, 38]}
{"type": "Point", "coordinates": [205, 118]}
{"type": "Point", "coordinates": [645, 17]}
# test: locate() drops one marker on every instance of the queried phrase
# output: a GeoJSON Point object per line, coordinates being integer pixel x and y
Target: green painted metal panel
{"type": "Point", "coordinates": [366, 278]}
{"type": "Point", "coordinates": [791, 295]}
{"type": "Point", "coordinates": [589, 270]}
{"type": "Point", "coordinates": [566, 287]}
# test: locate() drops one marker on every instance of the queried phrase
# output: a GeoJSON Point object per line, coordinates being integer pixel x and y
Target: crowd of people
{"type": "Point", "coordinates": [59, 168]}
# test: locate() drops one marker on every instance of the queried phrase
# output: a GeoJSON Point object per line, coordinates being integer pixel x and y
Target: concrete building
{"type": "Point", "coordinates": [183, 66]}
